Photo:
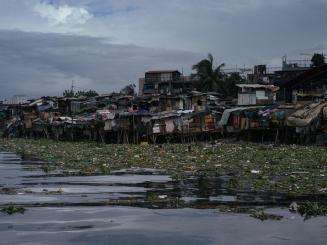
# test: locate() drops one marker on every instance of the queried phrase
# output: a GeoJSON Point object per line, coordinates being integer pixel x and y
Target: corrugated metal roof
{"type": "Point", "coordinates": [162, 71]}
{"type": "Point", "coordinates": [270, 87]}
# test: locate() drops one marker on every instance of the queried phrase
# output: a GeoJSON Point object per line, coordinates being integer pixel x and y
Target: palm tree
{"type": "Point", "coordinates": [209, 78]}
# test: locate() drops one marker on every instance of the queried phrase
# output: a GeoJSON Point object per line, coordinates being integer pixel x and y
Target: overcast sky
{"type": "Point", "coordinates": [105, 44]}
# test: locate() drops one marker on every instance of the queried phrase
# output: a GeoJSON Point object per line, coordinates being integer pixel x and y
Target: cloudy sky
{"type": "Point", "coordinates": [105, 44]}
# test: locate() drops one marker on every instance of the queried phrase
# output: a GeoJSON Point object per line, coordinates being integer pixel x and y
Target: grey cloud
{"type": "Point", "coordinates": [36, 63]}
{"type": "Point", "coordinates": [239, 32]}
{"type": "Point", "coordinates": [235, 31]}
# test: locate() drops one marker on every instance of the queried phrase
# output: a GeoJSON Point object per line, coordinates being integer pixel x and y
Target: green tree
{"type": "Point", "coordinates": [128, 90]}
{"type": "Point", "coordinates": [69, 94]}
{"type": "Point", "coordinates": [90, 93]}
{"type": "Point", "coordinates": [317, 60]}
{"type": "Point", "coordinates": [81, 93]}
{"type": "Point", "coordinates": [209, 78]}
{"type": "Point", "coordinates": [230, 82]}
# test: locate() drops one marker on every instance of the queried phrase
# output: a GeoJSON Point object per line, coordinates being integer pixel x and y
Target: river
{"type": "Point", "coordinates": [138, 206]}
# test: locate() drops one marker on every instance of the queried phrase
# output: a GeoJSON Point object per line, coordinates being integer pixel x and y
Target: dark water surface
{"type": "Point", "coordinates": [138, 206]}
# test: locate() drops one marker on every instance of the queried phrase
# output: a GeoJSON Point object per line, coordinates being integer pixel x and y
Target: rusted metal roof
{"type": "Point", "coordinates": [306, 76]}
{"type": "Point", "coordinates": [270, 87]}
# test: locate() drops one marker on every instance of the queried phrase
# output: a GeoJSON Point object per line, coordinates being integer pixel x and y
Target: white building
{"type": "Point", "coordinates": [256, 94]}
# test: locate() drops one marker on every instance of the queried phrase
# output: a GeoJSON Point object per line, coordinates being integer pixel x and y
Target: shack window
{"type": "Point", "coordinates": [261, 95]}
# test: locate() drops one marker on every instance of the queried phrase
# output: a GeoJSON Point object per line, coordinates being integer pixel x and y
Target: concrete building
{"type": "Point", "coordinates": [164, 82]}
{"type": "Point", "coordinates": [309, 85]}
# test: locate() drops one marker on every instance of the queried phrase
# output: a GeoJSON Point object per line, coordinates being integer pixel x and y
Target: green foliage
{"type": "Point", "coordinates": [317, 60]}
{"type": "Point", "coordinates": [90, 93]}
{"type": "Point", "coordinates": [212, 79]}
{"type": "Point", "coordinates": [293, 170]}
{"type": "Point", "coordinates": [230, 84]}
{"type": "Point", "coordinates": [81, 93]}
{"type": "Point", "coordinates": [209, 77]}
{"type": "Point", "coordinates": [128, 90]}
{"type": "Point", "coordinates": [261, 215]}
{"type": "Point", "coordinates": [309, 210]}
{"type": "Point", "coordinates": [10, 210]}
{"type": "Point", "coordinates": [257, 213]}
{"type": "Point", "coordinates": [68, 94]}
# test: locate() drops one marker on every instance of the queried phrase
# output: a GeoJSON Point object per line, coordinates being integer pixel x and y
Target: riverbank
{"type": "Point", "coordinates": [295, 170]}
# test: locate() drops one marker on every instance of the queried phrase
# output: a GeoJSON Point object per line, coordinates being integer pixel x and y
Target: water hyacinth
{"type": "Point", "coordinates": [290, 169]}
